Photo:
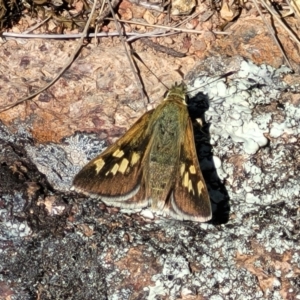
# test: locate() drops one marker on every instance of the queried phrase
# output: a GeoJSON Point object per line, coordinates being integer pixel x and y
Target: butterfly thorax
{"type": "Point", "coordinates": [164, 153]}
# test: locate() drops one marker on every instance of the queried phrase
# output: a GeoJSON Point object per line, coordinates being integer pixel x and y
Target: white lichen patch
{"type": "Point", "coordinates": [172, 280]}
{"type": "Point", "coordinates": [231, 104]}
{"type": "Point", "coordinates": [60, 163]}
{"type": "Point", "coordinates": [238, 129]}
{"type": "Point", "coordinates": [13, 229]}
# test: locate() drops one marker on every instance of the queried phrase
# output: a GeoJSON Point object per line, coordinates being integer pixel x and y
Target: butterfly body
{"type": "Point", "coordinates": [153, 164]}
{"type": "Point", "coordinates": [163, 158]}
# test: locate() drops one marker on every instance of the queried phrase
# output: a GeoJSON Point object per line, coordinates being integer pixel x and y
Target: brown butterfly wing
{"type": "Point", "coordinates": [115, 175]}
{"type": "Point", "coordinates": [189, 199]}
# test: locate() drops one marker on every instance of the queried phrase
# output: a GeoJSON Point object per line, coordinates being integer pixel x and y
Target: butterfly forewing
{"type": "Point", "coordinates": [116, 174]}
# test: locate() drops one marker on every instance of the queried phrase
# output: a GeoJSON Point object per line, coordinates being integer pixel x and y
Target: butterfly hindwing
{"type": "Point", "coordinates": [189, 199]}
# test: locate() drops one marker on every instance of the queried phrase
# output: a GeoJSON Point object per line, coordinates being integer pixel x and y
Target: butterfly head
{"type": "Point", "coordinates": [177, 91]}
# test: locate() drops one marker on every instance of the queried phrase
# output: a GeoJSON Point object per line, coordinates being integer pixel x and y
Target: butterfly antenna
{"type": "Point", "coordinates": [140, 59]}
{"type": "Point", "coordinates": [214, 80]}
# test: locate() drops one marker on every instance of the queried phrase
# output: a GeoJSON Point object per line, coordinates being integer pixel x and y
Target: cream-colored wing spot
{"type": "Point", "coordinates": [114, 170]}
{"type": "Point", "coordinates": [134, 158]}
{"type": "Point", "coordinates": [118, 153]}
{"type": "Point", "coordinates": [182, 169]}
{"type": "Point", "coordinates": [186, 180]}
{"type": "Point", "coordinates": [123, 165]}
{"type": "Point", "coordinates": [99, 163]}
{"type": "Point", "coordinates": [200, 187]}
{"type": "Point", "coordinates": [191, 187]}
{"type": "Point", "coordinates": [192, 169]}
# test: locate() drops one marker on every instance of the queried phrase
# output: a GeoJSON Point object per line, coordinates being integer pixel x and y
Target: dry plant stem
{"type": "Point", "coordinates": [271, 31]}
{"type": "Point", "coordinates": [134, 35]}
{"type": "Point", "coordinates": [37, 25]}
{"type": "Point", "coordinates": [163, 49]}
{"type": "Point", "coordinates": [95, 34]}
{"type": "Point", "coordinates": [133, 67]}
{"type": "Point", "coordinates": [296, 14]}
{"type": "Point", "coordinates": [170, 28]}
{"type": "Point", "coordinates": [275, 15]}
{"type": "Point", "coordinates": [150, 34]}
{"type": "Point", "coordinates": [188, 19]}
{"type": "Point", "coordinates": [67, 65]}
{"type": "Point", "coordinates": [105, 34]}
{"type": "Point", "coordinates": [103, 13]}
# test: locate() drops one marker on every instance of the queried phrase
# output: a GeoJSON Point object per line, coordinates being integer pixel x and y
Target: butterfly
{"type": "Point", "coordinates": [154, 164]}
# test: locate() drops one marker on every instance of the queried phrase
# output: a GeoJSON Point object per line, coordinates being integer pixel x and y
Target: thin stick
{"type": "Point", "coordinates": [134, 35]}
{"type": "Point", "coordinates": [37, 25]}
{"type": "Point", "coordinates": [150, 34]}
{"type": "Point", "coordinates": [293, 9]}
{"type": "Point", "coordinates": [67, 65]}
{"type": "Point", "coordinates": [170, 28]}
{"type": "Point", "coordinates": [188, 18]}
